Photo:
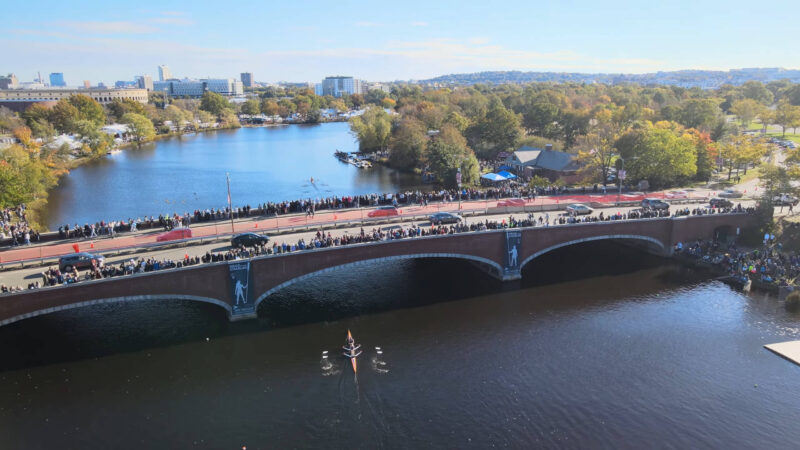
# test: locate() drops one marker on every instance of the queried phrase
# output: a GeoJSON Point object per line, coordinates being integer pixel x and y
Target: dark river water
{"type": "Point", "coordinates": [599, 347]}
{"type": "Point", "coordinates": [185, 173]}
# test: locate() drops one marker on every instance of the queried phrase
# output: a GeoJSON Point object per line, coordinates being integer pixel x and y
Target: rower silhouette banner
{"type": "Point", "coordinates": [240, 287]}
{"type": "Point", "coordinates": [513, 253]}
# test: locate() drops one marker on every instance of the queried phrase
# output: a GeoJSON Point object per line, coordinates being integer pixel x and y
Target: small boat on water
{"type": "Point", "coordinates": [341, 156]}
{"type": "Point", "coordinates": [352, 350]}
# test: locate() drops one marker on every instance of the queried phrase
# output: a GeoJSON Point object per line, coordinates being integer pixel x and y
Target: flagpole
{"type": "Point", "coordinates": [230, 206]}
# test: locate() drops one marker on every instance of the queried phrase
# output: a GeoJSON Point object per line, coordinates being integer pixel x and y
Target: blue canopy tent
{"type": "Point", "coordinates": [507, 174]}
{"type": "Point", "coordinates": [493, 177]}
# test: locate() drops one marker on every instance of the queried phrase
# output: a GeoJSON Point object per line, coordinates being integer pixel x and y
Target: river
{"type": "Point", "coordinates": [599, 347]}
{"type": "Point", "coordinates": [185, 173]}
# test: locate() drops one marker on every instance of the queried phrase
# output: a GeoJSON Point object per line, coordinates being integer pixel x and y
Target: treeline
{"type": "Point", "coordinates": [665, 135]}
{"type": "Point", "coordinates": [286, 102]}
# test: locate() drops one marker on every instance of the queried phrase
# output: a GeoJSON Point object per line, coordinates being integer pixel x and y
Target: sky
{"type": "Point", "coordinates": [385, 41]}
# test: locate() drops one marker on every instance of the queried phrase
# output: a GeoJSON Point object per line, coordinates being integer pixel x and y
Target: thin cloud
{"type": "Point", "coordinates": [111, 27]}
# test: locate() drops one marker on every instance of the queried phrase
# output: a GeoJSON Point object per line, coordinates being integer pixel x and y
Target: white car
{"type": "Point", "coordinates": [731, 193]}
{"type": "Point", "coordinates": [677, 194]}
{"type": "Point", "coordinates": [578, 209]}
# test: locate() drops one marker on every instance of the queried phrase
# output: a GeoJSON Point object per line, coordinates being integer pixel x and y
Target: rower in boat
{"type": "Point", "coordinates": [352, 350]}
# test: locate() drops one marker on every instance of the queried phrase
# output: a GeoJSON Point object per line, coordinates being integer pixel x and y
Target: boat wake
{"type": "Point", "coordinates": [327, 367]}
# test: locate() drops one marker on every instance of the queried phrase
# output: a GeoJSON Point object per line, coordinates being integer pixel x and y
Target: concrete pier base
{"type": "Point", "coordinates": [789, 350]}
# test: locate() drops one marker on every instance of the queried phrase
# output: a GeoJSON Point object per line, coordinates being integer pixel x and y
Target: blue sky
{"type": "Point", "coordinates": [383, 41]}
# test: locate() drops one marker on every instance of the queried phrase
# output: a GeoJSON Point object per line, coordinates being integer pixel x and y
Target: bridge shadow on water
{"type": "Point", "coordinates": [101, 330]}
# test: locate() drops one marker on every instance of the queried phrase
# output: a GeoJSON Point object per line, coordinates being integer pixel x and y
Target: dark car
{"type": "Point", "coordinates": [654, 203]}
{"type": "Point", "coordinates": [79, 261]}
{"type": "Point", "coordinates": [444, 217]}
{"type": "Point", "coordinates": [248, 240]}
{"type": "Point", "coordinates": [720, 203]}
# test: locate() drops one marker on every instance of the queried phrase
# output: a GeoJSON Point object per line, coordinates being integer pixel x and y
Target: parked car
{"type": "Point", "coordinates": [248, 240]}
{"type": "Point", "coordinates": [383, 211]}
{"type": "Point", "coordinates": [444, 217]}
{"type": "Point", "coordinates": [578, 209]}
{"type": "Point", "coordinates": [784, 200]}
{"type": "Point", "coordinates": [654, 203]}
{"type": "Point", "coordinates": [730, 193]}
{"type": "Point", "coordinates": [80, 261]}
{"type": "Point", "coordinates": [511, 202]}
{"type": "Point", "coordinates": [717, 202]}
{"type": "Point", "coordinates": [175, 234]}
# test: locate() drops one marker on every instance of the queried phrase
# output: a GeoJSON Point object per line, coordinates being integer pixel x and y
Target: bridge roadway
{"type": "Point", "coordinates": [239, 286]}
{"type": "Point", "coordinates": [21, 277]}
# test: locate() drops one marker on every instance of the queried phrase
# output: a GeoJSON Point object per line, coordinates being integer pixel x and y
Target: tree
{"type": "Point", "coordinates": [214, 103]}
{"type": "Point", "coordinates": [787, 116]}
{"type": "Point", "coordinates": [269, 107]}
{"type": "Point", "coordinates": [541, 119]}
{"type": "Point", "coordinates": [408, 144]}
{"type": "Point", "coordinates": [597, 153]}
{"type": "Point", "coordinates": [572, 125]}
{"type": "Point", "coordinates": [657, 155]}
{"type": "Point", "coordinates": [457, 121]}
{"type": "Point", "coordinates": [373, 129]}
{"type": "Point", "coordinates": [119, 107]}
{"type": "Point", "coordinates": [765, 117]}
{"type": "Point", "coordinates": [314, 116]}
{"type": "Point", "coordinates": [448, 152]}
{"type": "Point", "coordinates": [740, 150]}
{"type": "Point", "coordinates": [700, 113]}
{"type": "Point", "coordinates": [251, 107]}
{"type": "Point", "coordinates": [62, 116]}
{"type": "Point", "coordinates": [141, 127]}
{"type": "Point", "coordinates": [88, 109]}
{"type": "Point", "coordinates": [756, 91]}
{"type": "Point", "coordinates": [746, 110]}
{"type": "Point", "coordinates": [498, 131]}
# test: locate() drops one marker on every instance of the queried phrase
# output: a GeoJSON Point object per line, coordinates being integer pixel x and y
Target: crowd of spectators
{"type": "Point", "coordinates": [769, 265]}
{"type": "Point", "coordinates": [103, 228]}
{"type": "Point", "coordinates": [15, 227]}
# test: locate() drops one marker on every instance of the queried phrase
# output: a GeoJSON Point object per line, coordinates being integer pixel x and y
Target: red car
{"type": "Point", "coordinates": [383, 211]}
{"type": "Point", "coordinates": [511, 202]}
{"type": "Point", "coordinates": [175, 234]}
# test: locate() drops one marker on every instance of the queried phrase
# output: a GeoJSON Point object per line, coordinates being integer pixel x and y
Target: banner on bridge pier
{"type": "Point", "coordinates": [513, 253]}
{"type": "Point", "coordinates": [240, 287]}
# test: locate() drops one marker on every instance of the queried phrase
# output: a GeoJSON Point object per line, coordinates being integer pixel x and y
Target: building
{"type": "Point", "coordinates": [247, 79]}
{"type": "Point", "coordinates": [123, 84]}
{"type": "Point", "coordinates": [164, 73]}
{"type": "Point", "coordinates": [8, 82]}
{"type": "Point", "coordinates": [548, 163]}
{"type": "Point", "coordinates": [57, 79]}
{"type": "Point", "coordinates": [144, 82]}
{"type": "Point", "coordinates": [338, 86]}
{"type": "Point", "coordinates": [196, 88]}
{"type": "Point", "coordinates": [86, 84]}
{"type": "Point", "coordinates": [20, 99]}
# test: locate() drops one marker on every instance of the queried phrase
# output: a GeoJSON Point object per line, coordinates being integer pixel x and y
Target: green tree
{"type": "Point", "coordinates": [787, 116]}
{"type": "Point", "coordinates": [269, 107]}
{"type": "Point", "coordinates": [88, 109]}
{"type": "Point", "coordinates": [596, 152]}
{"type": "Point", "coordinates": [657, 155]}
{"type": "Point", "coordinates": [700, 113]}
{"type": "Point", "coordinates": [251, 107]}
{"type": "Point", "coordinates": [448, 152]}
{"type": "Point", "coordinates": [372, 129]}
{"type": "Point", "coordinates": [746, 110]}
{"type": "Point", "coordinates": [63, 115]}
{"type": "Point", "coordinates": [214, 103]}
{"type": "Point", "coordinates": [408, 144]}
{"type": "Point", "coordinates": [541, 119]}
{"type": "Point", "coordinates": [756, 91]}
{"type": "Point", "coordinates": [119, 107]}
{"type": "Point", "coordinates": [496, 132]}
{"type": "Point", "coordinates": [141, 127]}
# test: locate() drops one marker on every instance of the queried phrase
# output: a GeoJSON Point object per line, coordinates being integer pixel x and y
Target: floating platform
{"type": "Point", "coordinates": [789, 350]}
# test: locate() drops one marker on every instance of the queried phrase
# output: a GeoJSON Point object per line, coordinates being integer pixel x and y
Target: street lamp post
{"type": "Point", "coordinates": [620, 178]}
{"type": "Point", "coordinates": [458, 182]}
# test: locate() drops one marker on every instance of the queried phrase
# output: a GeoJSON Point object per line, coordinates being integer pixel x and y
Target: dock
{"type": "Point", "coordinates": [789, 350]}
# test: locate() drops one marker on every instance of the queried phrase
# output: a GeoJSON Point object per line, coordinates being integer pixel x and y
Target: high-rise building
{"type": "Point", "coordinates": [87, 84]}
{"type": "Point", "coordinates": [144, 82]}
{"type": "Point", "coordinates": [8, 82]}
{"type": "Point", "coordinates": [338, 86]}
{"type": "Point", "coordinates": [164, 73]}
{"type": "Point", "coordinates": [57, 79]}
{"type": "Point", "coordinates": [247, 79]}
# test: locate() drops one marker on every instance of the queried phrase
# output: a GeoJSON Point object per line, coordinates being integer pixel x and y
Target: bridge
{"type": "Point", "coordinates": [240, 286]}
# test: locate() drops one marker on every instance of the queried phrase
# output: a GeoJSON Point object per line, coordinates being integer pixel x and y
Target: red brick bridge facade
{"type": "Point", "coordinates": [239, 286]}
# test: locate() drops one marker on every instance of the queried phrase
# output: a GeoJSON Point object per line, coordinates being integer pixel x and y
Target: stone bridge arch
{"type": "Point", "coordinates": [654, 244]}
{"type": "Point", "coordinates": [495, 268]}
{"type": "Point", "coordinates": [122, 299]}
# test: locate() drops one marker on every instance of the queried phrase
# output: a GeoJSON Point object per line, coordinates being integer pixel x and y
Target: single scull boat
{"type": "Point", "coordinates": [352, 350]}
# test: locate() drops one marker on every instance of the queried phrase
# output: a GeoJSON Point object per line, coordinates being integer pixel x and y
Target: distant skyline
{"type": "Point", "coordinates": [306, 41]}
